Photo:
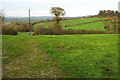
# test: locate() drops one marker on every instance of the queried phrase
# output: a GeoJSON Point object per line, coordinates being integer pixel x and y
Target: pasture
{"type": "Point", "coordinates": [91, 26]}
{"type": "Point", "coordinates": [62, 56]}
{"type": "Point", "coordinates": [74, 24]}
{"type": "Point", "coordinates": [66, 56]}
{"type": "Point", "coordinates": [72, 43]}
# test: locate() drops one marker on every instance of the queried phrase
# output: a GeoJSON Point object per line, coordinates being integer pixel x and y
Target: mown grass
{"type": "Point", "coordinates": [76, 56]}
{"type": "Point", "coordinates": [69, 22]}
{"type": "Point", "coordinates": [91, 26]}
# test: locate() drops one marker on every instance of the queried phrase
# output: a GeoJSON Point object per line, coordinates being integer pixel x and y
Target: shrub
{"type": "Point", "coordinates": [8, 30]}
{"type": "Point", "coordinates": [15, 27]}
{"type": "Point", "coordinates": [22, 27]}
{"type": "Point", "coordinates": [111, 23]}
{"type": "Point", "coordinates": [40, 30]}
{"type": "Point", "coordinates": [53, 31]}
{"type": "Point", "coordinates": [19, 28]}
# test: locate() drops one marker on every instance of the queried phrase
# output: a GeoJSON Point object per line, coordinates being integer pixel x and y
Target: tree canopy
{"type": "Point", "coordinates": [57, 11]}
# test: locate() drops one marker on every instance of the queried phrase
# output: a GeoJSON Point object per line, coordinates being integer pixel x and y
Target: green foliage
{"type": "Point", "coordinates": [57, 11]}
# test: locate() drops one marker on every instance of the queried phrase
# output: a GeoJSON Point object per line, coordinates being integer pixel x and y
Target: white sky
{"type": "Point", "coordinates": [42, 7]}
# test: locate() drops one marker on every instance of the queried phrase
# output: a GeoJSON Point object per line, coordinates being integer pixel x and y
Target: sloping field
{"type": "Point", "coordinates": [90, 26]}
{"type": "Point", "coordinates": [79, 21]}
{"type": "Point", "coordinates": [66, 56]}
{"type": "Point", "coordinates": [72, 22]}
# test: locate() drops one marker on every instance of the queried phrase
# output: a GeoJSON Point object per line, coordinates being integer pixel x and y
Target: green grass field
{"type": "Point", "coordinates": [62, 56]}
{"type": "Point", "coordinates": [91, 26]}
{"type": "Point", "coordinates": [75, 22]}
{"type": "Point", "coordinates": [79, 21]}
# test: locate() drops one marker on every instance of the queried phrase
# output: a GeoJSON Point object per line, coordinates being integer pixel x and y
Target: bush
{"type": "Point", "coordinates": [40, 30]}
{"type": "Point", "coordinates": [22, 27]}
{"type": "Point", "coordinates": [53, 31]}
{"type": "Point", "coordinates": [111, 23]}
{"type": "Point", "coordinates": [8, 30]}
{"type": "Point", "coordinates": [19, 28]}
{"type": "Point", "coordinates": [13, 28]}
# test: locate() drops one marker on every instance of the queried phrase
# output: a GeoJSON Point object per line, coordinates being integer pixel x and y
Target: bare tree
{"type": "Point", "coordinates": [2, 18]}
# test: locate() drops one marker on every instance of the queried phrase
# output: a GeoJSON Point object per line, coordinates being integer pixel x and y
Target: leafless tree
{"type": "Point", "coordinates": [2, 18]}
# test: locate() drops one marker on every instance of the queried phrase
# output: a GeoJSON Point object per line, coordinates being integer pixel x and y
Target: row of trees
{"type": "Point", "coordinates": [106, 13]}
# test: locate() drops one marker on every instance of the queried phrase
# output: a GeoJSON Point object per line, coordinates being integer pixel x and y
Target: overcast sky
{"type": "Point", "coordinates": [42, 7]}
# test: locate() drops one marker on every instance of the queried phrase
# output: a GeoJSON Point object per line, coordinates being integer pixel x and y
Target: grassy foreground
{"type": "Point", "coordinates": [68, 56]}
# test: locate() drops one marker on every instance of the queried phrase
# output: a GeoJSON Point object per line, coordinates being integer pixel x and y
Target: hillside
{"type": "Point", "coordinates": [94, 23]}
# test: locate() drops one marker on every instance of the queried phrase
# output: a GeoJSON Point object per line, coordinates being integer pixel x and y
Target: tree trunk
{"type": "Point", "coordinates": [57, 22]}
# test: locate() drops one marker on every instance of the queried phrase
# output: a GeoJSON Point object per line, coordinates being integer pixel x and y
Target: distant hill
{"type": "Point", "coordinates": [26, 19]}
{"type": "Point", "coordinates": [39, 18]}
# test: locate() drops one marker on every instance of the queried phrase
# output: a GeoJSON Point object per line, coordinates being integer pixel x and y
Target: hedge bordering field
{"type": "Point", "coordinates": [51, 31]}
